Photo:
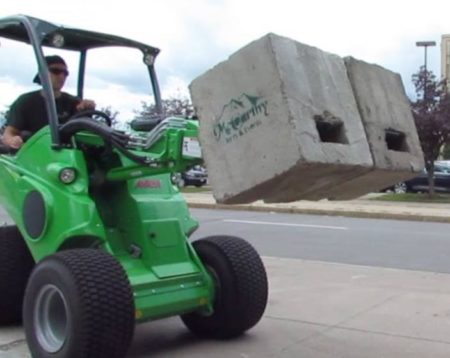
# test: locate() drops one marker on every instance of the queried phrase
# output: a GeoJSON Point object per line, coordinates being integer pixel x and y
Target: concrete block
{"type": "Point", "coordinates": [390, 130]}
{"type": "Point", "coordinates": [279, 122]}
{"type": "Point", "coordinates": [261, 113]}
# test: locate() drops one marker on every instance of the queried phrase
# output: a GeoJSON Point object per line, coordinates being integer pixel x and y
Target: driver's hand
{"type": "Point", "coordinates": [13, 142]}
{"type": "Point", "coordinates": [85, 105]}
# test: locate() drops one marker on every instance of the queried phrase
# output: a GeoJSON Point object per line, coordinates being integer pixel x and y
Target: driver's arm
{"type": "Point", "coordinates": [12, 138]}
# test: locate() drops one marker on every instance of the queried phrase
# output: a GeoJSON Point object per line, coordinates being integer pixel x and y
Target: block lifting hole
{"type": "Point", "coordinates": [331, 129]}
{"type": "Point", "coordinates": [395, 140]}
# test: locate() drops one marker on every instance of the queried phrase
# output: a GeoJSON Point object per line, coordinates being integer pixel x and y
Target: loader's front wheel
{"type": "Point", "coordinates": [16, 264]}
{"type": "Point", "coordinates": [241, 287]}
{"type": "Point", "coordinates": [79, 303]}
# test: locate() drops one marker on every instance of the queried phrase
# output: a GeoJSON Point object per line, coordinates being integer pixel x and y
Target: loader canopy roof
{"type": "Point", "coordinates": [39, 33]}
{"type": "Point", "coordinates": [15, 27]}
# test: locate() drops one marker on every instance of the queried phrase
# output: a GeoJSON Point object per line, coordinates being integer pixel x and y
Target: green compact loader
{"type": "Point", "coordinates": [101, 234]}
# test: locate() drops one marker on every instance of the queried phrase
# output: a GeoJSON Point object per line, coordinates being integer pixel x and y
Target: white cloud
{"type": "Point", "coordinates": [195, 35]}
{"type": "Point", "coordinates": [175, 88]}
{"type": "Point", "coordinates": [125, 102]}
{"type": "Point", "coordinates": [8, 90]}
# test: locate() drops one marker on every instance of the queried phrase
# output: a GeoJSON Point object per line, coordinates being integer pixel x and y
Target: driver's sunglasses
{"type": "Point", "coordinates": [59, 71]}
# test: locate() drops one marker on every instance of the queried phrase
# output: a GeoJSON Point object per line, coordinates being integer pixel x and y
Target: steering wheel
{"type": "Point", "coordinates": [94, 113]}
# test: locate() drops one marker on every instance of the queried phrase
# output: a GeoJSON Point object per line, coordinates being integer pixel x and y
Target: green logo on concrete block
{"type": "Point", "coordinates": [239, 117]}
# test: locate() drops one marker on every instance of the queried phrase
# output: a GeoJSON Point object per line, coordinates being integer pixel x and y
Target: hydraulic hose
{"type": "Point", "coordinates": [118, 140]}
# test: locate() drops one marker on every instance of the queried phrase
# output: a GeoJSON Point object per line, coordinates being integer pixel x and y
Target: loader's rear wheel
{"type": "Point", "coordinates": [241, 287]}
{"type": "Point", "coordinates": [16, 264]}
{"type": "Point", "coordinates": [79, 303]}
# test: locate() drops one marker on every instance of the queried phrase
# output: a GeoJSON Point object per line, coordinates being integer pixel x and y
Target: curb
{"type": "Point", "coordinates": [331, 212]}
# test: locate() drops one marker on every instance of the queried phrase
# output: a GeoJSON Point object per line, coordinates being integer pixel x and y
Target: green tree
{"type": "Point", "coordinates": [446, 151]}
{"type": "Point", "coordinates": [111, 114]}
{"type": "Point", "coordinates": [431, 111]}
{"type": "Point", "coordinates": [171, 107]}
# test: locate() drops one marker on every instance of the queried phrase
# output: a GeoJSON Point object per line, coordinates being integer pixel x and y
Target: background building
{"type": "Point", "coordinates": [445, 56]}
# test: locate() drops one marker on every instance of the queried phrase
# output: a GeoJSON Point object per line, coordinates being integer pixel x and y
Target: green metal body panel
{"type": "Point", "coordinates": [130, 210]}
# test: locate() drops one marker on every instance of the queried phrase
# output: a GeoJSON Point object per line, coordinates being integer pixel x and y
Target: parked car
{"type": "Point", "coordinates": [445, 163]}
{"type": "Point", "coordinates": [197, 176]}
{"type": "Point", "coordinates": [420, 182]}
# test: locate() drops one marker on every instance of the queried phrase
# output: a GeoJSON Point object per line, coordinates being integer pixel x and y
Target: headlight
{"type": "Point", "coordinates": [67, 175]}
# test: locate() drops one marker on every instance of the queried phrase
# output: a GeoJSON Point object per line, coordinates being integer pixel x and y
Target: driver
{"type": "Point", "coordinates": [28, 113]}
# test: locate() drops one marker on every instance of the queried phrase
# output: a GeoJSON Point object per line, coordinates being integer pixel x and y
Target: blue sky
{"type": "Point", "coordinates": [195, 35]}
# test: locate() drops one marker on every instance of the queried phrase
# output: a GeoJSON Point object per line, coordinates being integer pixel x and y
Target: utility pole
{"type": "Point", "coordinates": [425, 45]}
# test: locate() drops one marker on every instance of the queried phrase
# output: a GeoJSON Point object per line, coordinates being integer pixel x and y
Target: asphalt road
{"type": "Point", "coordinates": [383, 243]}
{"type": "Point", "coordinates": [409, 245]}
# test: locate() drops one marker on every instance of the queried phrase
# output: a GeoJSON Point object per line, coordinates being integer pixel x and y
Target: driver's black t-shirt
{"type": "Point", "coordinates": [28, 112]}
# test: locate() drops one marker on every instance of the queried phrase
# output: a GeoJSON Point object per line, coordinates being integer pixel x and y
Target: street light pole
{"type": "Point", "coordinates": [425, 44]}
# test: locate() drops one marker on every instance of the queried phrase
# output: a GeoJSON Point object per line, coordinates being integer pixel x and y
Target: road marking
{"type": "Point", "coordinates": [287, 224]}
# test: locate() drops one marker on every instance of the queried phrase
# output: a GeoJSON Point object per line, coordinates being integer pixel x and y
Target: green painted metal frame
{"type": "Point", "coordinates": [132, 211]}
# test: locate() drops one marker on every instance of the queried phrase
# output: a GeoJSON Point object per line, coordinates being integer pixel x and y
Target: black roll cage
{"type": "Point", "coordinates": [39, 33]}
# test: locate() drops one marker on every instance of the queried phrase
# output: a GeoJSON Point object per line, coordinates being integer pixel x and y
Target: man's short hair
{"type": "Point", "coordinates": [51, 60]}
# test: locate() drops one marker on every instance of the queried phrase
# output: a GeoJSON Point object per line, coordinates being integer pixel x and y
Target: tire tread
{"type": "Point", "coordinates": [242, 308]}
{"type": "Point", "coordinates": [16, 264]}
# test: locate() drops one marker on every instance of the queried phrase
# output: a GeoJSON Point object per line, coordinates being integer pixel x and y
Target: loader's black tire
{"type": "Point", "coordinates": [16, 264]}
{"type": "Point", "coordinates": [241, 288]}
{"type": "Point", "coordinates": [79, 304]}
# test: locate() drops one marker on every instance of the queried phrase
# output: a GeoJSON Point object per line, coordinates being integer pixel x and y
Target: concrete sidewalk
{"type": "Point", "coordinates": [326, 310]}
{"type": "Point", "coordinates": [315, 310]}
{"type": "Point", "coordinates": [362, 207]}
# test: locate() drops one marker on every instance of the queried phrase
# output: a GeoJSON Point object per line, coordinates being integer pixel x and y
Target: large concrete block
{"type": "Point", "coordinates": [390, 130]}
{"type": "Point", "coordinates": [261, 116]}
{"type": "Point", "coordinates": [279, 122]}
